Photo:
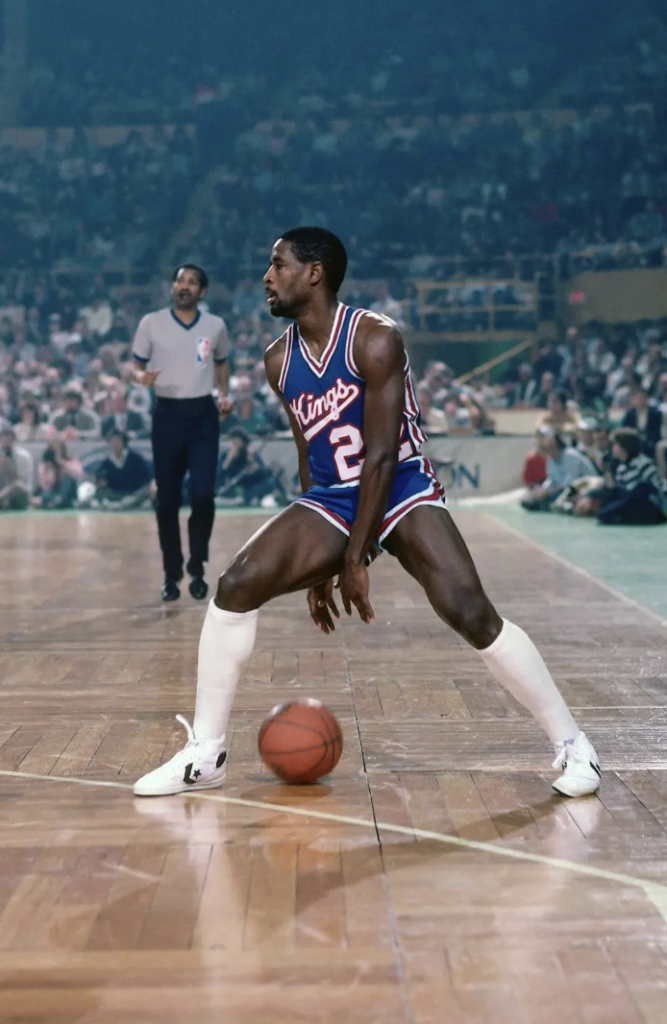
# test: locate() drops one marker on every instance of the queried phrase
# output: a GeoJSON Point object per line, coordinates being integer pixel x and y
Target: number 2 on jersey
{"type": "Point", "coordinates": [345, 452]}
{"type": "Point", "coordinates": [348, 445]}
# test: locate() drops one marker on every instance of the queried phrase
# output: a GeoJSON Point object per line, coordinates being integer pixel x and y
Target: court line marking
{"type": "Point", "coordinates": [656, 892]}
{"type": "Point", "coordinates": [578, 569]}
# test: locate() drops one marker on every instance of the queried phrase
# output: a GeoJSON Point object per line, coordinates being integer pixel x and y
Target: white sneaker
{"type": "Point", "coordinates": [580, 766]}
{"type": "Point", "coordinates": [199, 765]}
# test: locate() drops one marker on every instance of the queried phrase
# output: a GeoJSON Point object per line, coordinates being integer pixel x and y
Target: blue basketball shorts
{"type": "Point", "coordinates": [415, 483]}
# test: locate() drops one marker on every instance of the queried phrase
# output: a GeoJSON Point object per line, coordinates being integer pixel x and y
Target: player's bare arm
{"type": "Point", "coordinates": [380, 358]}
{"type": "Point", "coordinates": [321, 603]}
{"type": "Point", "coordinates": [273, 362]}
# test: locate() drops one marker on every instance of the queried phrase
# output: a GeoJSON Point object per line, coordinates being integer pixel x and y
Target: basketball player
{"type": "Point", "coordinates": [343, 377]}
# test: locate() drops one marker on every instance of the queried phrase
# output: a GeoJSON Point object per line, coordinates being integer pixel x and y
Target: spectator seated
{"type": "Point", "coordinates": [57, 480]}
{"type": "Point", "coordinates": [243, 477]}
{"type": "Point", "coordinates": [648, 420]}
{"type": "Point", "coordinates": [72, 420]}
{"type": "Point", "coordinates": [565, 465]}
{"type": "Point", "coordinates": [633, 493]}
{"type": "Point", "coordinates": [123, 479]}
{"type": "Point", "coordinates": [15, 473]}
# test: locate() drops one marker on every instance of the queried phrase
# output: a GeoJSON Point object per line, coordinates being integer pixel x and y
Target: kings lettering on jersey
{"type": "Point", "coordinates": [315, 412]}
{"type": "Point", "coordinates": [326, 397]}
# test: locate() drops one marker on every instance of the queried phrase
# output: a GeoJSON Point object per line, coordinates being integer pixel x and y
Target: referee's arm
{"type": "Point", "coordinates": [142, 349]}
{"type": "Point", "coordinates": [222, 374]}
{"type": "Point", "coordinates": [141, 375]}
{"type": "Point", "coordinates": [221, 362]}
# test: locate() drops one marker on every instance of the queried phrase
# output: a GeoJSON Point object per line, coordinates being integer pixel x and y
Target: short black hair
{"type": "Point", "coordinates": [629, 440]}
{"type": "Point", "coordinates": [317, 245]}
{"type": "Point", "coordinates": [203, 276]}
{"type": "Point", "coordinates": [562, 397]}
{"type": "Point", "coordinates": [118, 433]}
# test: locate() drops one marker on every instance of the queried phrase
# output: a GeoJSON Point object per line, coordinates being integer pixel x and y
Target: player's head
{"type": "Point", "coordinates": [303, 262]}
{"type": "Point", "coordinates": [188, 285]}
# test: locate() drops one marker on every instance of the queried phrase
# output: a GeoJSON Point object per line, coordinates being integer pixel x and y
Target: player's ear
{"type": "Point", "coordinates": [316, 273]}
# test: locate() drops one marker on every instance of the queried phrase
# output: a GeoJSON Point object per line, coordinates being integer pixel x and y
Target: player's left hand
{"type": "Point", "coordinates": [225, 405]}
{"type": "Point", "coordinates": [321, 604]}
{"type": "Point", "coordinates": [354, 584]}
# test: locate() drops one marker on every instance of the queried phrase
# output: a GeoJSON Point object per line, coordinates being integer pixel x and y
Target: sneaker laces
{"type": "Point", "coordinates": [564, 754]}
{"type": "Point", "coordinates": [192, 739]}
{"type": "Point", "coordinates": [188, 728]}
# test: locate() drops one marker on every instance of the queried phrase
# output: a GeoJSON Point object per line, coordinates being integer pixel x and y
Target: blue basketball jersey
{"type": "Point", "coordinates": [326, 397]}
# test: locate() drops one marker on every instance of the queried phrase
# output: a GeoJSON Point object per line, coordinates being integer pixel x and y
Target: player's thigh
{"type": "Point", "coordinates": [293, 551]}
{"type": "Point", "coordinates": [430, 547]}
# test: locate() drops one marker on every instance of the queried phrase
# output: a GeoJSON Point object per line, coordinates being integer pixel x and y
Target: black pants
{"type": "Point", "coordinates": [185, 439]}
{"type": "Point", "coordinates": [632, 508]}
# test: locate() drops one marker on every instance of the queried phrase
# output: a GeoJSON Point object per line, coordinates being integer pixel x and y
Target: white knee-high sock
{"type": "Point", "coordinates": [226, 643]}
{"type": "Point", "coordinates": [517, 664]}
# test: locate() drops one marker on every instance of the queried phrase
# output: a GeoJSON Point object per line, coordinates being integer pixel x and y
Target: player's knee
{"type": "Point", "coordinates": [474, 618]}
{"type": "Point", "coordinates": [239, 588]}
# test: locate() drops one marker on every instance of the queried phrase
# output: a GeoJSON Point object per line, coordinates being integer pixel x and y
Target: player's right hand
{"type": "Point", "coordinates": [148, 377]}
{"type": "Point", "coordinates": [354, 583]}
{"type": "Point", "coordinates": [321, 604]}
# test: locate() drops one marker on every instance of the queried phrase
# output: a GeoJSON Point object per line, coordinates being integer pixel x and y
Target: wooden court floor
{"type": "Point", "coordinates": [433, 879]}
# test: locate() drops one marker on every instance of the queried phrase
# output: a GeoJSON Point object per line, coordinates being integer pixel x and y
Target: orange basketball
{"type": "Point", "coordinates": [300, 741]}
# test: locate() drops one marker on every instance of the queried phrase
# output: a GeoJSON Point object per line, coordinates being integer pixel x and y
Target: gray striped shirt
{"type": "Point", "coordinates": [640, 470]}
{"type": "Point", "coordinates": [185, 354]}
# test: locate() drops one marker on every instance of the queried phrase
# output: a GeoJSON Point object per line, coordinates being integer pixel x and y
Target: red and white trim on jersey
{"type": "Point", "coordinates": [417, 435]}
{"type": "Point", "coordinates": [289, 341]}
{"type": "Point", "coordinates": [349, 345]}
{"type": "Point", "coordinates": [319, 366]}
{"type": "Point", "coordinates": [326, 513]}
{"type": "Point", "coordinates": [434, 493]}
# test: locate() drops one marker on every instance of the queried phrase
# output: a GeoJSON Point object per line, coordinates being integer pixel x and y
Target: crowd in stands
{"type": "Point", "coordinates": [601, 442]}
{"type": "Point", "coordinates": [72, 201]}
{"type": "Point", "coordinates": [422, 180]}
{"type": "Point", "coordinates": [419, 177]}
{"type": "Point", "coordinates": [127, 62]}
{"type": "Point", "coordinates": [431, 197]}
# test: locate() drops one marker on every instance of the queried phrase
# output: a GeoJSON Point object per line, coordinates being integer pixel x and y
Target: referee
{"type": "Point", "coordinates": [187, 351]}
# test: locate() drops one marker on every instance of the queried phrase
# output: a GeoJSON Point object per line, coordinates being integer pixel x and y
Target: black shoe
{"type": "Point", "coordinates": [198, 588]}
{"type": "Point", "coordinates": [170, 590]}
